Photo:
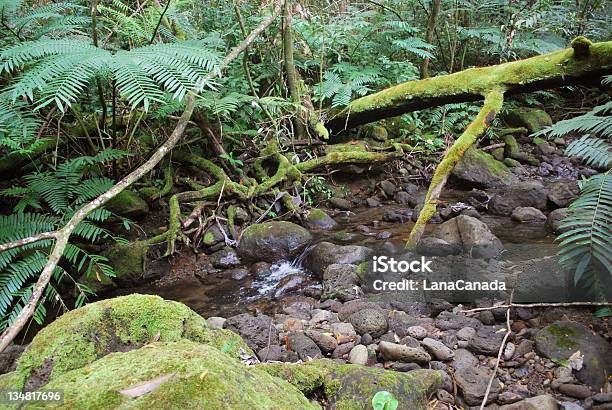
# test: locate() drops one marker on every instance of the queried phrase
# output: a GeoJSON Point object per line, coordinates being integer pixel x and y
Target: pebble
{"type": "Point", "coordinates": [445, 397]}
{"type": "Point", "coordinates": [402, 353]}
{"type": "Point", "coordinates": [466, 333]}
{"type": "Point", "coordinates": [509, 351]}
{"type": "Point", "coordinates": [418, 332]}
{"type": "Point", "coordinates": [342, 349]}
{"type": "Point", "coordinates": [438, 349]}
{"type": "Point", "coordinates": [358, 355]}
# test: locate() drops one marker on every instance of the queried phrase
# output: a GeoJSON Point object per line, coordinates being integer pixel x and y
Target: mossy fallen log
{"type": "Point", "coordinates": [584, 61]}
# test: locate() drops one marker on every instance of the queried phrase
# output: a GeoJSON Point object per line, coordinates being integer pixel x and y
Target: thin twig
{"type": "Point", "coordinates": [537, 305]}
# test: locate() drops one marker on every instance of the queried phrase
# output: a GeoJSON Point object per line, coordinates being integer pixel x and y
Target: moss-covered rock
{"type": "Point", "coordinates": [128, 204]}
{"type": "Point", "coordinates": [534, 119]}
{"type": "Point", "coordinates": [351, 387]}
{"type": "Point", "coordinates": [512, 148]}
{"type": "Point", "coordinates": [479, 169]}
{"type": "Point", "coordinates": [374, 131]}
{"type": "Point", "coordinates": [272, 241]}
{"type": "Point", "coordinates": [82, 336]}
{"type": "Point", "coordinates": [359, 146]}
{"type": "Point", "coordinates": [181, 375]}
{"type": "Point", "coordinates": [128, 261]}
{"type": "Point", "coordinates": [318, 219]}
{"type": "Point", "coordinates": [564, 338]}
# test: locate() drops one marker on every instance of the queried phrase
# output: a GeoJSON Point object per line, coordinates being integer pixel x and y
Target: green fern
{"type": "Point", "coordinates": [585, 247]}
{"type": "Point", "coordinates": [58, 71]}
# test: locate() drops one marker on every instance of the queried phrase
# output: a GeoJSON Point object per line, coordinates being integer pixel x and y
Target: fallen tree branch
{"type": "Point", "coordinates": [583, 62]}
{"type": "Point", "coordinates": [62, 235]}
{"type": "Point", "coordinates": [538, 305]}
{"type": "Point", "coordinates": [492, 105]}
{"type": "Point", "coordinates": [499, 354]}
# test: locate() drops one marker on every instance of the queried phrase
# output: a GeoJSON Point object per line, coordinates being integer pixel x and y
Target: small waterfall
{"type": "Point", "coordinates": [297, 262]}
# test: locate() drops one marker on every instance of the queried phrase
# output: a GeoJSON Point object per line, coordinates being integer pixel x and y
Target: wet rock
{"type": "Point", "coordinates": [261, 269]}
{"type": "Point", "coordinates": [431, 246]}
{"type": "Point", "coordinates": [291, 283]}
{"type": "Point", "coordinates": [603, 397]}
{"type": "Point", "coordinates": [225, 258]}
{"type": "Point", "coordinates": [370, 321]}
{"type": "Point", "coordinates": [545, 148]}
{"type": "Point", "coordinates": [340, 203]}
{"type": "Point", "coordinates": [532, 194]}
{"type": "Point", "coordinates": [388, 188]}
{"type": "Point", "coordinates": [322, 316]}
{"type": "Point", "coordinates": [543, 402]}
{"type": "Point", "coordinates": [326, 342]}
{"type": "Point", "coordinates": [578, 391]}
{"type": "Point", "coordinates": [528, 214]}
{"type": "Point", "coordinates": [561, 193]}
{"type": "Point", "coordinates": [339, 281]}
{"type": "Point", "coordinates": [304, 346]}
{"type": "Point", "coordinates": [486, 341]}
{"type": "Point", "coordinates": [402, 353]}
{"type": "Point", "coordinates": [393, 216]}
{"type": "Point", "coordinates": [372, 202]}
{"type": "Point", "coordinates": [472, 235]}
{"type": "Point", "coordinates": [555, 218]}
{"type": "Point", "coordinates": [318, 220]}
{"type": "Point", "coordinates": [253, 329]}
{"type": "Point", "coordinates": [543, 280]}
{"type": "Point", "coordinates": [447, 320]}
{"type": "Point", "coordinates": [480, 169]}
{"type": "Point", "coordinates": [404, 198]}
{"type": "Point", "coordinates": [524, 347]}
{"type": "Point", "coordinates": [473, 382]}
{"type": "Point", "coordinates": [358, 355]}
{"type": "Point", "coordinates": [384, 235]}
{"type": "Point", "coordinates": [270, 354]}
{"type": "Point", "coordinates": [509, 397]}
{"type": "Point", "coordinates": [238, 274]}
{"type": "Point", "coordinates": [561, 339]}
{"type": "Point", "coordinates": [418, 332]}
{"type": "Point", "coordinates": [273, 241]}
{"type": "Point", "coordinates": [437, 349]}
{"type": "Point", "coordinates": [326, 253]}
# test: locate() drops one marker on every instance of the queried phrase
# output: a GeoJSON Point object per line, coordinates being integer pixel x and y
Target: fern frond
{"type": "Point", "coordinates": [593, 151]}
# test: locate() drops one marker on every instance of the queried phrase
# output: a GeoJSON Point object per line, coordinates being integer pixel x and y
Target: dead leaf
{"type": "Point", "coordinates": [575, 360]}
{"type": "Point", "coordinates": [146, 387]}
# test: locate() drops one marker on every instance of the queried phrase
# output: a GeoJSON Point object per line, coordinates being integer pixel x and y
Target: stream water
{"type": "Point", "coordinates": [221, 295]}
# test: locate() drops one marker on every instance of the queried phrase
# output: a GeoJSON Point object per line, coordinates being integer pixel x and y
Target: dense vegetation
{"type": "Point", "coordinates": [88, 91]}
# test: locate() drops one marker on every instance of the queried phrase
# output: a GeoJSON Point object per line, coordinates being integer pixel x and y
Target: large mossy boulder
{"type": "Point", "coordinates": [481, 170]}
{"type": "Point", "coordinates": [84, 335]}
{"type": "Point", "coordinates": [272, 242]}
{"type": "Point", "coordinates": [179, 375]}
{"type": "Point", "coordinates": [534, 119]}
{"type": "Point", "coordinates": [564, 338]}
{"type": "Point", "coordinates": [128, 204]}
{"type": "Point", "coordinates": [351, 387]}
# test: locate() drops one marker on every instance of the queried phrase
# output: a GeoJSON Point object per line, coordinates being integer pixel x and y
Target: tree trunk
{"type": "Point", "coordinates": [292, 76]}
{"type": "Point", "coordinates": [431, 27]}
{"type": "Point", "coordinates": [584, 62]}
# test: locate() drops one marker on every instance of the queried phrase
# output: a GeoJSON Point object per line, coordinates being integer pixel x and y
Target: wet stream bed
{"type": "Point", "coordinates": [233, 291]}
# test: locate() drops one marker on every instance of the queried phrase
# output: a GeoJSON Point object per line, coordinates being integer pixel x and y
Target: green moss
{"type": "Point", "coordinates": [316, 214]}
{"type": "Point", "coordinates": [128, 260]}
{"type": "Point", "coordinates": [512, 147]}
{"type": "Point", "coordinates": [498, 154]}
{"type": "Point", "coordinates": [128, 204]}
{"type": "Point", "coordinates": [359, 146]}
{"type": "Point", "coordinates": [199, 377]}
{"type": "Point", "coordinates": [534, 119]}
{"type": "Point", "coordinates": [81, 336]}
{"type": "Point", "coordinates": [374, 131]}
{"type": "Point", "coordinates": [538, 140]}
{"type": "Point", "coordinates": [563, 336]}
{"type": "Point", "coordinates": [306, 377]}
{"type": "Point", "coordinates": [509, 162]}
